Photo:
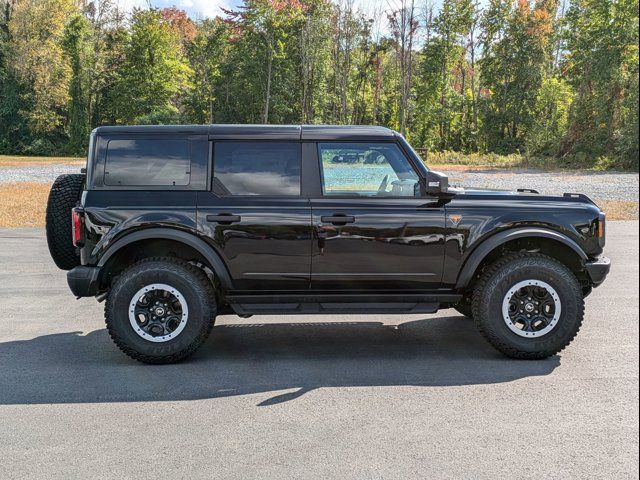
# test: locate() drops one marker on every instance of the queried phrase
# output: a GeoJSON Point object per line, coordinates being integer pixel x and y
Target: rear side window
{"type": "Point", "coordinates": [256, 168]}
{"type": "Point", "coordinates": [147, 162]}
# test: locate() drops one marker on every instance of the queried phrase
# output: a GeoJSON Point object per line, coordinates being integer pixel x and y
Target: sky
{"type": "Point", "coordinates": [198, 9]}
{"type": "Point", "coordinates": [195, 8]}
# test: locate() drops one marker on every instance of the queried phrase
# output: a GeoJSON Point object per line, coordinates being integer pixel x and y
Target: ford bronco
{"type": "Point", "coordinates": [174, 225]}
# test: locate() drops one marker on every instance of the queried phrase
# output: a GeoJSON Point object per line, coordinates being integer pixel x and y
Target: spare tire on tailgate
{"type": "Point", "coordinates": [64, 195]}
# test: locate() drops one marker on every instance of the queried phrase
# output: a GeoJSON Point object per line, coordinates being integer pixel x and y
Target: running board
{"type": "Point", "coordinates": [337, 304]}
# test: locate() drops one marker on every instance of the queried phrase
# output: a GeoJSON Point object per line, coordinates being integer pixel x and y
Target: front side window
{"type": "Point", "coordinates": [147, 162]}
{"type": "Point", "coordinates": [366, 169]}
{"type": "Point", "coordinates": [256, 168]}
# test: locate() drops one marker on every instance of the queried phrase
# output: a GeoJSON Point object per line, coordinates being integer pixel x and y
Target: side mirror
{"type": "Point", "coordinates": [436, 184]}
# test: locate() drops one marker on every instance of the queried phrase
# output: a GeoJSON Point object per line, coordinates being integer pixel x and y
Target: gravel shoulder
{"type": "Point", "coordinates": [598, 185]}
{"type": "Point", "coordinates": [36, 173]}
{"type": "Point", "coordinates": [24, 189]}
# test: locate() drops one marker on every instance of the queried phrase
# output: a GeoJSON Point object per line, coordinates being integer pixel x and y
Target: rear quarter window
{"type": "Point", "coordinates": [147, 162]}
{"type": "Point", "coordinates": [257, 168]}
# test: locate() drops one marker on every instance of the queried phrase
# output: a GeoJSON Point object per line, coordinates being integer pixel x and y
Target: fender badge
{"type": "Point", "coordinates": [455, 219]}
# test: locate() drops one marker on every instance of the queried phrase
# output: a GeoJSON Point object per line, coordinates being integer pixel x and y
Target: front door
{"type": "Point", "coordinates": [255, 216]}
{"type": "Point", "coordinates": [372, 229]}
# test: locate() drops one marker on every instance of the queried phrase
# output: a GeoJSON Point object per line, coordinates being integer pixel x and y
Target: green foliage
{"type": "Point", "coordinates": [517, 55]}
{"type": "Point", "coordinates": [153, 73]}
{"type": "Point", "coordinates": [627, 147]}
{"type": "Point", "coordinates": [551, 114]}
{"type": "Point", "coordinates": [205, 54]}
{"type": "Point", "coordinates": [13, 128]}
{"type": "Point", "coordinates": [446, 87]}
{"type": "Point", "coordinates": [37, 60]}
{"type": "Point", "coordinates": [168, 115]}
{"type": "Point", "coordinates": [602, 65]}
{"type": "Point", "coordinates": [76, 45]}
{"type": "Point", "coordinates": [547, 86]}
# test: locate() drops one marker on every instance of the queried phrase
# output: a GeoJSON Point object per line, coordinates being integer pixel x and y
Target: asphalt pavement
{"type": "Point", "coordinates": [312, 397]}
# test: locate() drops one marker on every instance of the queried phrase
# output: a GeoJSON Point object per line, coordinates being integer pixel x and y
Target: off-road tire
{"type": "Point", "coordinates": [64, 195]}
{"type": "Point", "coordinates": [494, 284]}
{"type": "Point", "coordinates": [193, 284]}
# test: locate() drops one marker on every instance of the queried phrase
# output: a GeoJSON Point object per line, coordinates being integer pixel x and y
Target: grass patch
{"type": "Point", "coordinates": [23, 204]}
{"type": "Point", "coordinates": [445, 160]}
{"type": "Point", "coordinates": [19, 161]}
{"type": "Point", "coordinates": [619, 209]}
{"type": "Point", "coordinates": [478, 160]}
{"type": "Point", "coordinates": [452, 161]}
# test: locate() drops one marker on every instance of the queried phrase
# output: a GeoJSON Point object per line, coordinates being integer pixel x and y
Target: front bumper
{"type": "Point", "coordinates": [598, 270]}
{"type": "Point", "coordinates": [83, 281]}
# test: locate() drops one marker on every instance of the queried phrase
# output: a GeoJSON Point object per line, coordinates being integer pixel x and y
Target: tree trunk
{"type": "Point", "coordinates": [268, 94]}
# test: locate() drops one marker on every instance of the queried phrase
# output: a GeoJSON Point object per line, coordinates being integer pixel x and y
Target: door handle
{"type": "Point", "coordinates": [338, 219]}
{"type": "Point", "coordinates": [224, 218]}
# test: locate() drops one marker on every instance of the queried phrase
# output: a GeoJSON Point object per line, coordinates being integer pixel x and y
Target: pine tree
{"type": "Point", "coordinates": [77, 47]}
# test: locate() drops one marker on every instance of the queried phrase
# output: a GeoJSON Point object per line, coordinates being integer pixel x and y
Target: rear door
{"type": "Point", "coordinates": [254, 214]}
{"type": "Point", "coordinates": [373, 229]}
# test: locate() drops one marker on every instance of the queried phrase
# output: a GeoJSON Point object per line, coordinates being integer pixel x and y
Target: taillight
{"type": "Point", "coordinates": [76, 227]}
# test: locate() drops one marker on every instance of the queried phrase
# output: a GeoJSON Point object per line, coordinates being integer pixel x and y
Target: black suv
{"type": "Point", "coordinates": [174, 225]}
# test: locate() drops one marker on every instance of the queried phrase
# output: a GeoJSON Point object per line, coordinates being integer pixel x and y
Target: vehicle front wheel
{"type": "Point", "coordinates": [528, 306]}
{"type": "Point", "coordinates": [160, 310]}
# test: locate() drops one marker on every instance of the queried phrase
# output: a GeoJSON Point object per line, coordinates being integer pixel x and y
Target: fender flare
{"type": "Point", "coordinates": [487, 246]}
{"type": "Point", "coordinates": [212, 257]}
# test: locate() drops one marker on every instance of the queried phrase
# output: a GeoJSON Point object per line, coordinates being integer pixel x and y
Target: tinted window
{"type": "Point", "coordinates": [257, 168]}
{"type": "Point", "coordinates": [366, 169]}
{"type": "Point", "coordinates": [147, 162]}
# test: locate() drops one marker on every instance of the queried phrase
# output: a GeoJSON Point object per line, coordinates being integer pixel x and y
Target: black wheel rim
{"type": "Point", "coordinates": [531, 308]}
{"type": "Point", "coordinates": [158, 312]}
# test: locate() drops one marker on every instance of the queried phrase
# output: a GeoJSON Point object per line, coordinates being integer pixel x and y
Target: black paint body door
{"type": "Point", "coordinates": [372, 229]}
{"type": "Point", "coordinates": [389, 245]}
{"type": "Point", "coordinates": [255, 216]}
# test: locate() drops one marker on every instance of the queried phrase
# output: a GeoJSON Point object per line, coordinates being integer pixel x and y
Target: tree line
{"type": "Point", "coordinates": [555, 78]}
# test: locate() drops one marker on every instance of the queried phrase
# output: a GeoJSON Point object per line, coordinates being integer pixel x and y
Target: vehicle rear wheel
{"type": "Point", "coordinates": [160, 310]}
{"type": "Point", "coordinates": [528, 306]}
{"type": "Point", "coordinates": [64, 195]}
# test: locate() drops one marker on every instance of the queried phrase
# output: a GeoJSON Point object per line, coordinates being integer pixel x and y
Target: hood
{"type": "Point", "coordinates": [521, 193]}
{"type": "Point", "coordinates": [490, 191]}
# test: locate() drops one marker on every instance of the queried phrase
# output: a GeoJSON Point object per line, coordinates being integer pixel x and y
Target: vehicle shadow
{"type": "Point", "coordinates": [267, 358]}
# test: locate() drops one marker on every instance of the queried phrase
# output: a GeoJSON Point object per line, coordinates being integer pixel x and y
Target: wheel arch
{"type": "Point", "coordinates": [554, 244]}
{"type": "Point", "coordinates": [155, 242]}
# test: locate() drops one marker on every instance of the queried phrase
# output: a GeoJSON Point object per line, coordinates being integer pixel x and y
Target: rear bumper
{"type": "Point", "coordinates": [598, 270]}
{"type": "Point", "coordinates": [83, 281]}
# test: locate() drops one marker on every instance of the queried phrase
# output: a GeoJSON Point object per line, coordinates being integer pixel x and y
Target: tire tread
{"type": "Point", "coordinates": [201, 283]}
{"type": "Point", "coordinates": [63, 196]}
{"type": "Point", "coordinates": [486, 329]}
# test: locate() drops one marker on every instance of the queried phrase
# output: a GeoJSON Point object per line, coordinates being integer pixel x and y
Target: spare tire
{"type": "Point", "coordinates": [64, 195]}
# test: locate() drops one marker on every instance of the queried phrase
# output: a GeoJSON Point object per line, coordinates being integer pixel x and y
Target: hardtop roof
{"type": "Point", "coordinates": [258, 132]}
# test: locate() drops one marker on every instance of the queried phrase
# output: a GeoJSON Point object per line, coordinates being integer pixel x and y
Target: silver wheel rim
{"type": "Point", "coordinates": [170, 315]}
{"type": "Point", "coordinates": [531, 308]}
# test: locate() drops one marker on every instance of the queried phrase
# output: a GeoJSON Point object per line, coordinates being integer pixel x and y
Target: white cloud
{"type": "Point", "coordinates": [195, 8]}
{"type": "Point", "coordinates": [128, 5]}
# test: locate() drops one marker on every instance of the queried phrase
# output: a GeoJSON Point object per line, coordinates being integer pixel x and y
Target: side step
{"type": "Point", "coordinates": [337, 304]}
